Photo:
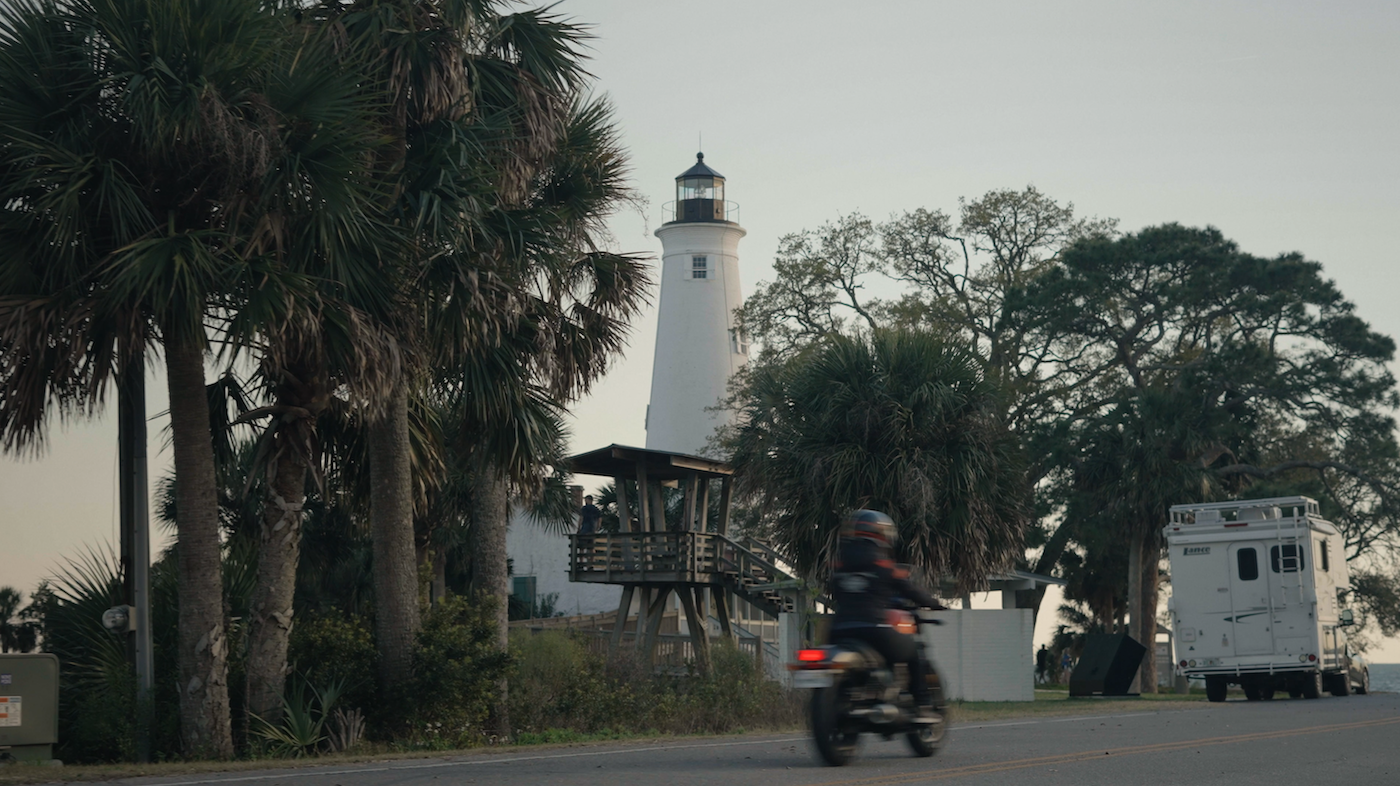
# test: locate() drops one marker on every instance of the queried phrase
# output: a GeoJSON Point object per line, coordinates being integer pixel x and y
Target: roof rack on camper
{"type": "Point", "coordinates": [1244, 510]}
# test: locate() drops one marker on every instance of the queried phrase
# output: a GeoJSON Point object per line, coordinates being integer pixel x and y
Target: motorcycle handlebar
{"type": "Point", "coordinates": [925, 616]}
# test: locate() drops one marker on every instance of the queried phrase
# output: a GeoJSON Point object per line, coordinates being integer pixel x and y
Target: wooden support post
{"type": "Point", "coordinates": [726, 491]}
{"type": "Point", "coordinates": [624, 511]}
{"type": "Point", "coordinates": [654, 615]}
{"type": "Point", "coordinates": [624, 524]}
{"type": "Point", "coordinates": [699, 635]}
{"type": "Point", "coordinates": [658, 509]}
{"type": "Point", "coordinates": [691, 489]}
{"type": "Point", "coordinates": [643, 606]}
{"type": "Point", "coordinates": [624, 607]}
{"type": "Point", "coordinates": [704, 504]}
{"type": "Point", "coordinates": [720, 599]}
{"type": "Point", "coordinates": [643, 499]}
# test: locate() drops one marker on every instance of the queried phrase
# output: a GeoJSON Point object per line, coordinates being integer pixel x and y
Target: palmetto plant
{"type": "Point", "coordinates": [901, 421]}
{"type": "Point", "coordinates": [306, 725]}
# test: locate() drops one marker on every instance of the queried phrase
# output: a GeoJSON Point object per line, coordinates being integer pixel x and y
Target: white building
{"type": "Point", "coordinates": [697, 346]}
{"type": "Point", "coordinates": [540, 567]}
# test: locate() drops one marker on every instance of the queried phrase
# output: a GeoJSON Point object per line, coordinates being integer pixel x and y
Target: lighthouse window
{"type": "Point", "coordinates": [700, 188]}
{"type": "Point", "coordinates": [700, 266]}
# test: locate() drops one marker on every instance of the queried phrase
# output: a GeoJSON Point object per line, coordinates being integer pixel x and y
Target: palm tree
{"type": "Point", "coordinates": [327, 339]}
{"type": "Point", "coordinates": [153, 154]}
{"type": "Point", "coordinates": [430, 58]}
{"type": "Point", "coordinates": [478, 110]}
{"type": "Point", "coordinates": [900, 421]}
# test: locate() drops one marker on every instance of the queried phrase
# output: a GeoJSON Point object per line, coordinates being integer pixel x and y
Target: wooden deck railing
{"type": "Point", "coordinates": [637, 556]}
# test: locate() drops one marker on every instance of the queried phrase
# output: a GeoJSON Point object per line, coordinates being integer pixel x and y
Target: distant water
{"type": "Point", "coordinates": [1385, 676]}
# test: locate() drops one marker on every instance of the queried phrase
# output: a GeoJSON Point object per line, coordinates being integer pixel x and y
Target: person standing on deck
{"type": "Point", "coordinates": [588, 517]}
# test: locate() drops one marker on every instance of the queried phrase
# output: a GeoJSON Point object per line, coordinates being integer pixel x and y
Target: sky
{"type": "Point", "coordinates": [1273, 121]}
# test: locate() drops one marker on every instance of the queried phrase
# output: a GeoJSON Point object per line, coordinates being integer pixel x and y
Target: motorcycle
{"type": "Point", "coordinates": [855, 692]}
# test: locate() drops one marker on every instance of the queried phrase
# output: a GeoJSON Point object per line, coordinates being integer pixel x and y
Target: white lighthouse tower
{"type": "Point", "coordinates": [697, 345]}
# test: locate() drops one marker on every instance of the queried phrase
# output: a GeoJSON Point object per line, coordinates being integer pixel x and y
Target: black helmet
{"type": "Point", "coordinates": [871, 525]}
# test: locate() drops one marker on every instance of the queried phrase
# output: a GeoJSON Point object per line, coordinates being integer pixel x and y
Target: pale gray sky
{"type": "Point", "coordinates": [1274, 121]}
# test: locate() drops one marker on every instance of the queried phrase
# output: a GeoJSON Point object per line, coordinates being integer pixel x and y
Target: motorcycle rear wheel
{"type": "Point", "coordinates": [831, 731]}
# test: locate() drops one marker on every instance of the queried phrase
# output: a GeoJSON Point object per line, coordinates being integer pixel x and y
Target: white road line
{"type": "Point", "coordinates": [318, 773]}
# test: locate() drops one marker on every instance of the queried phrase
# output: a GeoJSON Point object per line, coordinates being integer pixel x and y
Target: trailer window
{"type": "Point", "coordinates": [1286, 559]}
{"type": "Point", "coordinates": [1325, 562]}
{"type": "Point", "coordinates": [1248, 563]}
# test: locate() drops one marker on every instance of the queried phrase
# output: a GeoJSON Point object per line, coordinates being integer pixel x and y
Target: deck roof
{"type": "Point", "coordinates": [622, 461]}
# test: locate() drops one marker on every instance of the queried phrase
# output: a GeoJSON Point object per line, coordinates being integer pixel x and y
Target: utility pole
{"type": "Point", "coordinates": [136, 538]}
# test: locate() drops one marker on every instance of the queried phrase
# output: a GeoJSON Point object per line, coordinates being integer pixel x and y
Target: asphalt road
{"type": "Point", "coordinates": [1354, 740]}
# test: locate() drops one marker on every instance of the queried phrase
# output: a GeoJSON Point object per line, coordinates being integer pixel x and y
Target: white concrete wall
{"type": "Point", "coordinates": [534, 552]}
{"type": "Point", "coordinates": [984, 654]}
{"type": "Point", "coordinates": [694, 352]}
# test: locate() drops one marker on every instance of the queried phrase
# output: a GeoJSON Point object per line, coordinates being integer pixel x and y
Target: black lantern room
{"type": "Point", "coordinates": [700, 193]}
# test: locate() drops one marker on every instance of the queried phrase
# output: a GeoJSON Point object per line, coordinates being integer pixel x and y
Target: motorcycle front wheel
{"type": "Point", "coordinates": [924, 740]}
{"type": "Point", "coordinates": [832, 730]}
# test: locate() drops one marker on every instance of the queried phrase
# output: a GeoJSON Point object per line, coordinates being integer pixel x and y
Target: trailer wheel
{"type": "Point", "coordinates": [1341, 685]}
{"type": "Point", "coordinates": [1251, 690]}
{"type": "Point", "coordinates": [1312, 685]}
{"type": "Point", "coordinates": [1266, 692]}
{"type": "Point", "coordinates": [1216, 688]}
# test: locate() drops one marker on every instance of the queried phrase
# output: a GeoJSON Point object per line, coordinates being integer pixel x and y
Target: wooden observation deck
{"type": "Point", "coordinates": [693, 557]}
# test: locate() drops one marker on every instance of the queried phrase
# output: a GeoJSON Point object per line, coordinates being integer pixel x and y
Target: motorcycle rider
{"type": "Point", "coordinates": [865, 584]}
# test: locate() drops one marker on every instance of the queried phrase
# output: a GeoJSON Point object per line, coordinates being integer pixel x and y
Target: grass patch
{"type": "Point", "coordinates": [573, 737]}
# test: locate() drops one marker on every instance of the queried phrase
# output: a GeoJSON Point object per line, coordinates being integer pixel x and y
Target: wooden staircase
{"type": "Point", "coordinates": [750, 569]}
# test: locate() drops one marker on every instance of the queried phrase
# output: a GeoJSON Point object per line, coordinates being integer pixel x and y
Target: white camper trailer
{"type": "Point", "coordinates": [1258, 588]}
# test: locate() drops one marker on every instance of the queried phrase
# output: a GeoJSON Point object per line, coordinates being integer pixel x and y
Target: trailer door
{"type": "Point", "coordinates": [1295, 626]}
{"type": "Point", "coordinates": [1249, 600]}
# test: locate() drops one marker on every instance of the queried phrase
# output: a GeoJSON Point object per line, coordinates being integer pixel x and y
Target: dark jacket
{"type": "Point", "coordinates": [588, 518]}
{"type": "Point", "coordinates": [865, 584]}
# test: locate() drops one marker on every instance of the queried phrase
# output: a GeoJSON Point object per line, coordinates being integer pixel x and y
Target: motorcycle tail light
{"type": "Point", "coordinates": [811, 656]}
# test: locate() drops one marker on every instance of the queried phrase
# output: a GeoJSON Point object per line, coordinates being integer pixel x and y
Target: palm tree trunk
{"type": "Point", "coordinates": [205, 724]}
{"type": "Point", "coordinates": [396, 617]}
{"type": "Point", "coordinates": [1134, 604]}
{"type": "Point", "coordinates": [1151, 558]}
{"type": "Point", "coordinates": [270, 626]}
{"type": "Point", "coordinates": [490, 574]}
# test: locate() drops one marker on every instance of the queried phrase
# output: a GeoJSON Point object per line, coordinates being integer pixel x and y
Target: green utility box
{"type": "Point", "coordinates": [28, 706]}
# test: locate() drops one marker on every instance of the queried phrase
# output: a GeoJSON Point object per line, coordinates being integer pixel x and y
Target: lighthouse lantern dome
{"type": "Point", "coordinates": [700, 193]}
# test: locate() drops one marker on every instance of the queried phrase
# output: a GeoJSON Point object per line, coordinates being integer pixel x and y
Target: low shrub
{"type": "Point", "coordinates": [457, 669]}
{"type": "Point", "coordinates": [560, 688]}
{"type": "Point", "coordinates": [336, 651]}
